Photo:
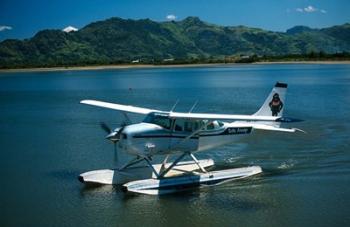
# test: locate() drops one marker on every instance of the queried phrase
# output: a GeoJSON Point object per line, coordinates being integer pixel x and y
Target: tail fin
{"type": "Point", "coordinates": [275, 102]}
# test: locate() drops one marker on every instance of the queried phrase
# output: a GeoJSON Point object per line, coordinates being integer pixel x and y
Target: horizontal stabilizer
{"type": "Point", "coordinates": [263, 126]}
{"type": "Point", "coordinates": [272, 128]}
{"type": "Point", "coordinates": [288, 120]}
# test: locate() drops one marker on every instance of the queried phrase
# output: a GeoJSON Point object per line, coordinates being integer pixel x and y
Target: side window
{"type": "Point", "coordinates": [214, 125]}
{"type": "Point", "coordinates": [210, 126]}
{"type": "Point", "coordinates": [188, 126]}
{"type": "Point", "coordinates": [179, 125]}
{"type": "Point", "coordinates": [195, 126]}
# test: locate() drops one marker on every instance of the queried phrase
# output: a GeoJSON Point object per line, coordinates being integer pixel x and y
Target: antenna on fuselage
{"type": "Point", "coordinates": [173, 108]}
{"type": "Point", "coordinates": [194, 105]}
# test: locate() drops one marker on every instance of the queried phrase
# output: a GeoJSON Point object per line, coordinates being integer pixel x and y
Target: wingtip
{"type": "Point", "coordinates": [85, 101]}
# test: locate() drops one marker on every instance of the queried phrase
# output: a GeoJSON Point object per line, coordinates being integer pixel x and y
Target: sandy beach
{"type": "Point", "coordinates": [103, 67]}
{"type": "Point", "coordinates": [136, 66]}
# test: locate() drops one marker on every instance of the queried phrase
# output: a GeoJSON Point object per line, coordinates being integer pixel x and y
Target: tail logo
{"type": "Point", "coordinates": [276, 104]}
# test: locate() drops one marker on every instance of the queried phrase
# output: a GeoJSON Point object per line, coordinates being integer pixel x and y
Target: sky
{"type": "Point", "coordinates": [22, 18]}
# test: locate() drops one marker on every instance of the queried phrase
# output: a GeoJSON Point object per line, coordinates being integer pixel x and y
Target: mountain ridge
{"type": "Point", "coordinates": [116, 40]}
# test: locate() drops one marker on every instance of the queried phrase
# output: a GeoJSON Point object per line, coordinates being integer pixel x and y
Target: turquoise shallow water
{"type": "Point", "coordinates": [47, 139]}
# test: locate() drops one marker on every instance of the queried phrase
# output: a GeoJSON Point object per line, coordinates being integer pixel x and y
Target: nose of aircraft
{"type": "Point", "coordinates": [112, 136]}
{"type": "Point", "coordinates": [131, 139]}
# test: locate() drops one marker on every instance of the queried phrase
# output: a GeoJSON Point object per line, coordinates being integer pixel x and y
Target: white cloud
{"type": "Point", "coordinates": [4, 28]}
{"type": "Point", "coordinates": [70, 29]}
{"type": "Point", "coordinates": [310, 9]}
{"type": "Point", "coordinates": [171, 17]}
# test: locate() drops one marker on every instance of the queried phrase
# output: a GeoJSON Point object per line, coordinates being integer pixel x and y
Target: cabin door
{"type": "Point", "coordinates": [180, 140]}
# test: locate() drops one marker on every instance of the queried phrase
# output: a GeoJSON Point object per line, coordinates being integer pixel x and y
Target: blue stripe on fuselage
{"type": "Point", "coordinates": [227, 131]}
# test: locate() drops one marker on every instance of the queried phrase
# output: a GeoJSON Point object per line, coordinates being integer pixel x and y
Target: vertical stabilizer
{"type": "Point", "coordinates": [275, 102]}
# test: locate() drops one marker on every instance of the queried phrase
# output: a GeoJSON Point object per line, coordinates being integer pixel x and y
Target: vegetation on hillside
{"type": "Point", "coordinates": [119, 41]}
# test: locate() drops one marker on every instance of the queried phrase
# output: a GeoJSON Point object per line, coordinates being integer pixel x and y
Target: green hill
{"type": "Point", "coordinates": [116, 40]}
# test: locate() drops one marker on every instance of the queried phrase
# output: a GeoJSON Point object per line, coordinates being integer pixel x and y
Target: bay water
{"type": "Point", "coordinates": [47, 139]}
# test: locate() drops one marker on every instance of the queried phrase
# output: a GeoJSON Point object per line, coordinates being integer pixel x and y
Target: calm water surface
{"type": "Point", "coordinates": [47, 139]}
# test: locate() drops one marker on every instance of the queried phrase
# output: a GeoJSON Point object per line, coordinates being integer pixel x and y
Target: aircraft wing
{"type": "Point", "coordinates": [179, 115]}
{"type": "Point", "coordinates": [203, 116]}
{"type": "Point", "coordinates": [123, 108]}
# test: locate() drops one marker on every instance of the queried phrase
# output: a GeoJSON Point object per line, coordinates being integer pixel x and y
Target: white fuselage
{"type": "Point", "coordinates": [147, 139]}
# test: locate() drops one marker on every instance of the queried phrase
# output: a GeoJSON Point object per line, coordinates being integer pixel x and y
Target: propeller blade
{"type": "Point", "coordinates": [116, 158]}
{"type": "Point", "coordinates": [105, 127]}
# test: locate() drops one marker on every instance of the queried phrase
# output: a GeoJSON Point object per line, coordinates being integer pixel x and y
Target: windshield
{"type": "Point", "coordinates": [158, 119]}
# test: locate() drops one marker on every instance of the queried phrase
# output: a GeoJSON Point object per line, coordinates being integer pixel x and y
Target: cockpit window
{"type": "Point", "coordinates": [158, 119]}
{"type": "Point", "coordinates": [214, 125]}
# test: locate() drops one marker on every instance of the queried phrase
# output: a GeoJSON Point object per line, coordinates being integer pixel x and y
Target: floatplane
{"type": "Point", "coordinates": [181, 135]}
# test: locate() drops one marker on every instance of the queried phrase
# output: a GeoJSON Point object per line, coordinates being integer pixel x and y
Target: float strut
{"type": "Point", "coordinates": [151, 166]}
{"type": "Point", "coordinates": [197, 162]}
{"type": "Point", "coordinates": [130, 163]}
{"type": "Point", "coordinates": [162, 174]}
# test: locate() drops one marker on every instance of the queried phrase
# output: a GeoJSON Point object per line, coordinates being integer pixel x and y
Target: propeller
{"type": "Point", "coordinates": [116, 156]}
{"type": "Point", "coordinates": [113, 136]}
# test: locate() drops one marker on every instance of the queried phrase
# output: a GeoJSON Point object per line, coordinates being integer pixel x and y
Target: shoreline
{"type": "Point", "coordinates": [103, 67]}
{"type": "Point", "coordinates": [140, 66]}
